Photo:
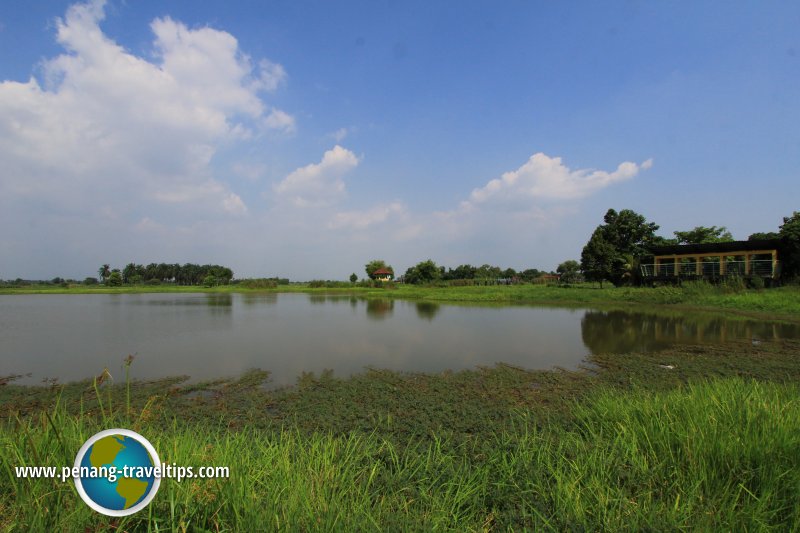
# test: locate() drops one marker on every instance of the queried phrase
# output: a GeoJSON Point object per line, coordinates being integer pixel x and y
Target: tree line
{"type": "Point", "coordinates": [612, 254]}
{"type": "Point", "coordinates": [616, 247]}
{"type": "Point", "coordinates": [186, 274]}
{"type": "Point", "coordinates": [429, 272]}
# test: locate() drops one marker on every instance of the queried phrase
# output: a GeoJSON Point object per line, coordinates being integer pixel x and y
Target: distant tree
{"type": "Point", "coordinates": [376, 264]}
{"type": "Point", "coordinates": [529, 274]}
{"type": "Point", "coordinates": [462, 272]}
{"type": "Point", "coordinates": [104, 271]}
{"type": "Point", "coordinates": [353, 277]}
{"type": "Point", "coordinates": [764, 236]}
{"type": "Point", "coordinates": [90, 281]}
{"type": "Point", "coordinates": [424, 272]}
{"type": "Point", "coordinates": [704, 235]}
{"type": "Point", "coordinates": [509, 273]}
{"type": "Point", "coordinates": [624, 237]}
{"type": "Point", "coordinates": [790, 245]}
{"type": "Point", "coordinates": [114, 278]}
{"type": "Point", "coordinates": [209, 281]}
{"type": "Point", "coordinates": [569, 271]}
{"type": "Point", "coordinates": [487, 271]}
{"type": "Point", "coordinates": [128, 272]}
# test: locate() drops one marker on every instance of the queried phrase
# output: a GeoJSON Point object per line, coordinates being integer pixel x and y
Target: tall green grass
{"type": "Point", "coordinates": [721, 454]}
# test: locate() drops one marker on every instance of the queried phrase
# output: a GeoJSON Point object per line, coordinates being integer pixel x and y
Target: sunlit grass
{"type": "Point", "coordinates": [720, 454]}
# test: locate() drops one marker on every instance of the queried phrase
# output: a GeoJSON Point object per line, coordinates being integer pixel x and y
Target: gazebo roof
{"type": "Point", "coordinates": [383, 272]}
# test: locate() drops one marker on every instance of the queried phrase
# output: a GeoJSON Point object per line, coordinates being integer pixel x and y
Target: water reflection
{"type": "Point", "coordinates": [219, 300]}
{"type": "Point", "coordinates": [427, 310]}
{"type": "Point", "coordinates": [622, 331]}
{"type": "Point", "coordinates": [379, 309]}
{"type": "Point", "coordinates": [270, 298]}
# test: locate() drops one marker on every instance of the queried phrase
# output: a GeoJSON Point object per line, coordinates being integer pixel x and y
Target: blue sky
{"type": "Point", "coordinates": [303, 139]}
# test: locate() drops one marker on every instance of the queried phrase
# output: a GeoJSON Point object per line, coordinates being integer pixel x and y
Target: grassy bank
{"type": "Point", "coordinates": [692, 438]}
{"type": "Point", "coordinates": [783, 302]}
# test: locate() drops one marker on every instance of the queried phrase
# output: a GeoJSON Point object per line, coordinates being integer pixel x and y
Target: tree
{"type": "Point", "coordinates": [128, 272]}
{"type": "Point", "coordinates": [569, 271]}
{"type": "Point", "coordinates": [764, 236]}
{"type": "Point", "coordinates": [115, 278]}
{"type": "Point", "coordinates": [104, 271]}
{"type": "Point", "coordinates": [376, 264]}
{"type": "Point", "coordinates": [488, 272]}
{"type": "Point", "coordinates": [462, 272]}
{"type": "Point", "coordinates": [597, 258]}
{"type": "Point", "coordinates": [353, 277]}
{"type": "Point", "coordinates": [704, 235]}
{"type": "Point", "coordinates": [424, 272]}
{"type": "Point", "coordinates": [789, 232]}
{"type": "Point", "coordinates": [615, 245]}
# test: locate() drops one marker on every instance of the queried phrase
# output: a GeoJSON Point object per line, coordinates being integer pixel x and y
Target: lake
{"type": "Point", "coordinates": [71, 337]}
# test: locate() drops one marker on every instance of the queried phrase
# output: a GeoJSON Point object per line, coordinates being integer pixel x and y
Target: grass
{"type": "Point", "coordinates": [710, 443]}
{"type": "Point", "coordinates": [782, 302]}
{"type": "Point", "coordinates": [720, 454]}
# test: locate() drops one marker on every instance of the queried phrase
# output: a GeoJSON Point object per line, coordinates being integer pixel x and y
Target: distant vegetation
{"type": "Point", "coordinates": [186, 274]}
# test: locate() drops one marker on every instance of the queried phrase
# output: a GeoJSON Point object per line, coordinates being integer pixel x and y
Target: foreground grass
{"type": "Point", "coordinates": [782, 302]}
{"type": "Point", "coordinates": [719, 454]}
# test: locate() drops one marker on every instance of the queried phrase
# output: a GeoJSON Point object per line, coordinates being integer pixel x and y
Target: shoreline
{"type": "Point", "coordinates": [777, 304]}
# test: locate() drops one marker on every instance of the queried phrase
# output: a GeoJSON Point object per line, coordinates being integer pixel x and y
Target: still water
{"type": "Point", "coordinates": [205, 336]}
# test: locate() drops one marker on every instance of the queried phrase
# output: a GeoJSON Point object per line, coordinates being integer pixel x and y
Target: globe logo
{"type": "Point", "coordinates": [117, 472]}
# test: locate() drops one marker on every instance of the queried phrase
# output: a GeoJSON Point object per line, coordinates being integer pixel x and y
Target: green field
{"type": "Point", "coordinates": [691, 438]}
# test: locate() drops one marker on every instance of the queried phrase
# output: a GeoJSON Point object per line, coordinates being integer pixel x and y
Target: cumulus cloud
{"type": "Point", "coordinates": [318, 184]}
{"type": "Point", "coordinates": [547, 178]}
{"type": "Point", "coordinates": [107, 121]}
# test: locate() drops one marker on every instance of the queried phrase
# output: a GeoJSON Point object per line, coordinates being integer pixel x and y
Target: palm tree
{"type": "Point", "coordinates": [104, 272]}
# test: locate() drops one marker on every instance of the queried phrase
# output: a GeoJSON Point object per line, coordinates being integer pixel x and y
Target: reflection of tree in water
{"type": "Point", "coordinates": [427, 310]}
{"type": "Point", "coordinates": [379, 309]}
{"type": "Point", "coordinates": [618, 332]}
{"type": "Point", "coordinates": [621, 332]}
{"type": "Point", "coordinates": [269, 298]}
{"type": "Point", "coordinates": [327, 298]}
{"type": "Point", "coordinates": [219, 302]}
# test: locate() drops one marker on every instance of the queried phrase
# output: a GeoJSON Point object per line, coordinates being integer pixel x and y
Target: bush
{"type": "Point", "coordinates": [756, 282]}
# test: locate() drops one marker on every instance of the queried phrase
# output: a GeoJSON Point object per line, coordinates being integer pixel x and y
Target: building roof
{"type": "Point", "coordinates": [383, 272]}
{"type": "Point", "coordinates": [716, 247]}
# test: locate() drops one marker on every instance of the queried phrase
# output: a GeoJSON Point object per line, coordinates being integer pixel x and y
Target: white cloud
{"type": "Point", "coordinates": [108, 122]}
{"type": "Point", "coordinates": [319, 184]}
{"type": "Point", "coordinates": [234, 204]}
{"type": "Point", "coordinates": [271, 76]}
{"type": "Point", "coordinates": [279, 120]}
{"type": "Point", "coordinates": [339, 135]}
{"type": "Point", "coordinates": [359, 220]}
{"type": "Point", "coordinates": [547, 178]}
